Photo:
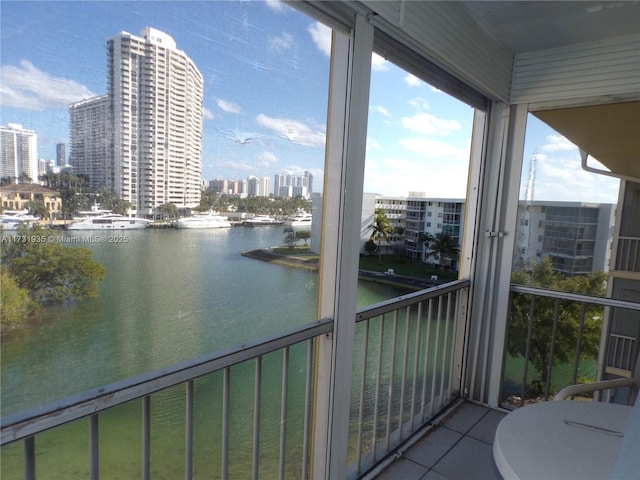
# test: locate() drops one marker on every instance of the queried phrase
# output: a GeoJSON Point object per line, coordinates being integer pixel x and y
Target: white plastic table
{"type": "Point", "coordinates": [560, 440]}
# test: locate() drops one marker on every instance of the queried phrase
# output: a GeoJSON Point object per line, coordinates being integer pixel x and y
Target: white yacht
{"type": "Point", "coordinates": [301, 219]}
{"type": "Point", "coordinates": [12, 220]}
{"type": "Point", "coordinates": [262, 220]}
{"type": "Point", "coordinates": [208, 220]}
{"type": "Point", "coordinates": [108, 221]}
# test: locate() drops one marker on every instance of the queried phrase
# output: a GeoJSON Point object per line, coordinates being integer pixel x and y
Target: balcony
{"type": "Point", "coordinates": [460, 446]}
{"type": "Point", "coordinates": [408, 415]}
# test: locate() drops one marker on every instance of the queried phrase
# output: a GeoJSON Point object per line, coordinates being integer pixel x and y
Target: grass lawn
{"type": "Point", "coordinates": [296, 250]}
{"type": "Point", "coordinates": [403, 266]}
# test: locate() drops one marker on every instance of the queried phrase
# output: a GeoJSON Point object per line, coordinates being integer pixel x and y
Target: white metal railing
{"type": "Point", "coordinates": [407, 362]}
{"type": "Point", "coordinates": [408, 356]}
{"type": "Point", "coordinates": [27, 426]}
{"type": "Point", "coordinates": [628, 255]}
{"type": "Point", "coordinates": [549, 329]}
{"type": "Point", "coordinates": [620, 354]}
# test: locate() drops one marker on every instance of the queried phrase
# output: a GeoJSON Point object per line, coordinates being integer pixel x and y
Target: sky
{"type": "Point", "coordinates": [266, 69]}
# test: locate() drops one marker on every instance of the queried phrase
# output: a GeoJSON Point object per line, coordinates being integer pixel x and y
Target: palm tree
{"type": "Point", "coordinates": [443, 245]}
{"type": "Point", "coordinates": [382, 227]}
{"type": "Point", "coordinates": [38, 209]}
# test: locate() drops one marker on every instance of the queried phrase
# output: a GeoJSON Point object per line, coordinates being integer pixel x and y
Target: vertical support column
{"type": "Point", "coordinates": [146, 438]}
{"type": "Point", "coordinates": [188, 431]}
{"type": "Point", "coordinates": [495, 235]}
{"type": "Point", "coordinates": [342, 206]}
{"type": "Point", "coordinates": [94, 448]}
{"type": "Point", "coordinates": [30, 458]}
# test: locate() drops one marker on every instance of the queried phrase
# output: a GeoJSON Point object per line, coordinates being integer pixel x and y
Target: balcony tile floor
{"type": "Point", "coordinates": [459, 448]}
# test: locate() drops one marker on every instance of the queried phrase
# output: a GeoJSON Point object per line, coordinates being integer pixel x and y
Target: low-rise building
{"type": "Point", "coordinates": [395, 208]}
{"type": "Point", "coordinates": [18, 197]}
{"type": "Point", "coordinates": [429, 217]}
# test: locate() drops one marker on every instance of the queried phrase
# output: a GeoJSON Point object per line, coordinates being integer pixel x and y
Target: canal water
{"type": "Point", "coordinates": [168, 296]}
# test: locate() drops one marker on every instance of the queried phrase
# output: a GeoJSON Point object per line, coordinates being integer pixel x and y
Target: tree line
{"type": "Point", "coordinates": [531, 330]}
{"type": "Point", "coordinates": [278, 207]}
{"type": "Point", "coordinates": [77, 195]}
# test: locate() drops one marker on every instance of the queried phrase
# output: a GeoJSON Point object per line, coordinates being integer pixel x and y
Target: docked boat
{"type": "Point", "coordinates": [261, 221]}
{"type": "Point", "coordinates": [301, 219]}
{"type": "Point", "coordinates": [209, 220]}
{"type": "Point", "coordinates": [11, 221]}
{"type": "Point", "coordinates": [108, 221]}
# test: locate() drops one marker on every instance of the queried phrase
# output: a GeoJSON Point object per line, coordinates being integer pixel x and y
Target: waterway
{"type": "Point", "coordinates": [168, 296]}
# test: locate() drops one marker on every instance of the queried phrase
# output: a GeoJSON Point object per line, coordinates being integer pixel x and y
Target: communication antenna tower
{"type": "Point", "coordinates": [525, 228]}
{"type": "Point", "coordinates": [531, 179]}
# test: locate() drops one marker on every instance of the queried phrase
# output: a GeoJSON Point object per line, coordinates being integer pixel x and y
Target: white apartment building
{"type": "Point", "coordinates": [258, 187]}
{"type": "Point", "coordinates": [153, 149]}
{"type": "Point", "coordinates": [91, 140]}
{"type": "Point", "coordinates": [395, 208]}
{"type": "Point", "coordinates": [156, 93]}
{"type": "Point", "coordinates": [288, 185]}
{"type": "Point", "coordinates": [18, 153]}
{"type": "Point", "coordinates": [575, 235]}
{"type": "Point", "coordinates": [430, 216]}
{"type": "Point", "coordinates": [265, 186]}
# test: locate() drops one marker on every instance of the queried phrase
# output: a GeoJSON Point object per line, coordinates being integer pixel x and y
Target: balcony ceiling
{"type": "Point", "coordinates": [528, 26]}
{"type": "Point", "coordinates": [610, 133]}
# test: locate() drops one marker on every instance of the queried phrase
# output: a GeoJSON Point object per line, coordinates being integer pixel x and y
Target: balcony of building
{"type": "Point", "coordinates": [408, 411]}
{"type": "Point", "coordinates": [412, 387]}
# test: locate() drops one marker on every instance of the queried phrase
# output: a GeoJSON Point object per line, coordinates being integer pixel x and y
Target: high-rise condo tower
{"type": "Point", "coordinates": [154, 146]}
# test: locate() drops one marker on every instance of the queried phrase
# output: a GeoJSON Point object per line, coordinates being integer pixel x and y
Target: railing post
{"type": "Point", "coordinates": [342, 216]}
{"type": "Point", "coordinates": [29, 458]}
{"type": "Point", "coordinates": [146, 437]}
{"type": "Point", "coordinates": [188, 440]}
{"type": "Point", "coordinates": [94, 450]}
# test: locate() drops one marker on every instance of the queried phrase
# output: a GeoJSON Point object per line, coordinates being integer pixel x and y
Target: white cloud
{"type": "Point", "coordinates": [295, 169]}
{"type": "Point", "coordinates": [267, 158]}
{"type": "Point", "coordinates": [382, 110]}
{"type": "Point", "coordinates": [557, 143]}
{"type": "Point", "coordinates": [27, 87]}
{"type": "Point", "coordinates": [419, 103]}
{"type": "Point", "coordinates": [561, 178]}
{"type": "Point", "coordinates": [293, 130]}
{"type": "Point", "coordinates": [413, 81]}
{"type": "Point", "coordinates": [275, 5]}
{"type": "Point", "coordinates": [372, 144]}
{"type": "Point", "coordinates": [321, 35]}
{"type": "Point", "coordinates": [398, 176]}
{"type": "Point", "coordinates": [227, 106]}
{"type": "Point", "coordinates": [435, 148]}
{"type": "Point", "coordinates": [207, 114]}
{"type": "Point", "coordinates": [429, 124]}
{"type": "Point", "coordinates": [240, 166]}
{"type": "Point", "coordinates": [378, 63]}
{"type": "Point", "coordinates": [282, 43]}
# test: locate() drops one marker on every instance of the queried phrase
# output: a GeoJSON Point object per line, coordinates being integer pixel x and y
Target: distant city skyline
{"type": "Point", "coordinates": [265, 68]}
